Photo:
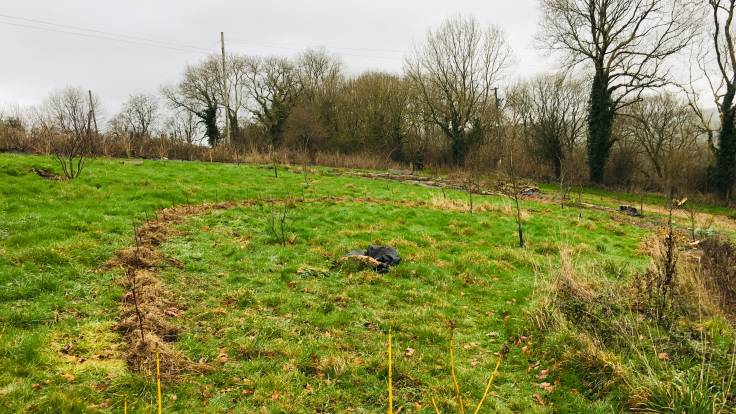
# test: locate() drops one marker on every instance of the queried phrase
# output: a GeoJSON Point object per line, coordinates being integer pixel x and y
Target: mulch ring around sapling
{"type": "Point", "coordinates": [148, 311]}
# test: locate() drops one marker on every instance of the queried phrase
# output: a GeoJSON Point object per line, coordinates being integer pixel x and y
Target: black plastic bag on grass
{"type": "Point", "coordinates": [386, 256]}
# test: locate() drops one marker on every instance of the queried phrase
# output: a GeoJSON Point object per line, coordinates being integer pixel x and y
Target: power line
{"type": "Point", "coordinates": [99, 34]}
{"type": "Point", "coordinates": [138, 40]}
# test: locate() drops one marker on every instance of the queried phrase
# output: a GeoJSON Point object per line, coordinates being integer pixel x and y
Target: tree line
{"type": "Point", "coordinates": [617, 112]}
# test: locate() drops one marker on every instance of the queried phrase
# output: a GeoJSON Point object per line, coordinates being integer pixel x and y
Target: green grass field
{"type": "Point", "coordinates": [282, 328]}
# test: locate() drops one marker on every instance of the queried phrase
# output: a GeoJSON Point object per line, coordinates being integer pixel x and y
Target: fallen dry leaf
{"type": "Point", "coordinates": [68, 377]}
{"type": "Point", "coordinates": [543, 374]}
{"type": "Point", "coordinates": [547, 387]}
{"type": "Point", "coordinates": [172, 313]}
{"type": "Point", "coordinates": [275, 396]}
{"type": "Point", "coordinates": [409, 352]}
{"type": "Point", "coordinates": [222, 357]}
{"type": "Point", "coordinates": [538, 399]}
{"type": "Point", "coordinates": [663, 356]}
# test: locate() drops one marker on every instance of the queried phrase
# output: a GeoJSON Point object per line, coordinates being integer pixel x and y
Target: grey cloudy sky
{"type": "Point", "coordinates": [375, 34]}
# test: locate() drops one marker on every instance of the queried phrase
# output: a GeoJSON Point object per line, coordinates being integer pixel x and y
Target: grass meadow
{"type": "Point", "coordinates": [282, 327]}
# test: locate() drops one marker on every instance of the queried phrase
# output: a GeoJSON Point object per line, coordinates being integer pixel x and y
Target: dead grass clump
{"type": "Point", "coordinates": [580, 317]}
{"type": "Point", "coordinates": [447, 204]}
{"type": "Point", "coordinates": [719, 272]}
{"type": "Point", "coordinates": [359, 262]}
{"type": "Point", "coordinates": [147, 312]}
{"type": "Point", "coordinates": [689, 293]}
{"type": "Point", "coordinates": [140, 257]}
{"type": "Point", "coordinates": [47, 174]}
{"type": "Point", "coordinates": [141, 356]}
{"type": "Point", "coordinates": [154, 321]}
{"type": "Point", "coordinates": [609, 330]}
{"type": "Point", "coordinates": [153, 233]}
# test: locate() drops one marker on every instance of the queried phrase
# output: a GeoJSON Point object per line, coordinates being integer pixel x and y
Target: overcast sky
{"type": "Point", "coordinates": [368, 34]}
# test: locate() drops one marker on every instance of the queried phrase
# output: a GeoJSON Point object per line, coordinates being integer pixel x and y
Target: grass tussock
{"type": "Point", "coordinates": [719, 273]}
{"type": "Point", "coordinates": [619, 339]}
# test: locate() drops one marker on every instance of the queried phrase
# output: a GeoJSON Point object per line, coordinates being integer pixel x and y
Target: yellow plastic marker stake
{"type": "Point", "coordinates": [390, 383]}
{"type": "Point", "coordinates": [158, 382]}
{"type": "Point", "coordinates": [125, 406]}
{"type": "Point", "coordinates": [488, 386]}
{"type": "Point", "coordinates": [454, 377]}
{"type": "Point", "coordinates": [434, 404]}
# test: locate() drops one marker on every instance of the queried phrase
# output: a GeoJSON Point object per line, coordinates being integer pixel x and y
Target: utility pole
{"type": "Point", "coordinates": [92, 112]}
{"type": "Point", "coordinates": [225, 92]}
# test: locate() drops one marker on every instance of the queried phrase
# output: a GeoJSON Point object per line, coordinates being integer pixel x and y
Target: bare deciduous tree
{"type": "Point", "coordinates": [456, 71]}
{"type": "Point", "coordinates": [375, 112]}
{"type": "Point", "coordinates": [304, 131]}
{"type": "Point", "coordinates": [320, 74]}
{"type": "Point", "coordinates": [141, 114]}
{"type": "Point", "coordinates": [135, 122]}
{"type": "Point", "coordinates": [626, 43]}
{"type": "Point", "coordinates": [199, 93]}
{"type": "Point", "coordinates": [70, 112]}
{"type": "Point", "coordinates": [273, 85]}
{"type": "Point", "coordinates": [551, 110]}
{"type": "Point", "coordinates": [665, 132]}
{"type": "Point", "coordinates": [718, 64]}
{"type": "Point", "coordinates": [182, 126]}
{"type": "Point", "coordinates": [237, 68]}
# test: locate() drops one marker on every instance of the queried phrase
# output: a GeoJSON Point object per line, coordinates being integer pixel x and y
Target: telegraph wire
{"type": "Point", "coordinates": [73, 30]}
{"type": "Point", "coordinates": [100, 37]}
{"type": "Point", "coordinates": [107, 35]}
